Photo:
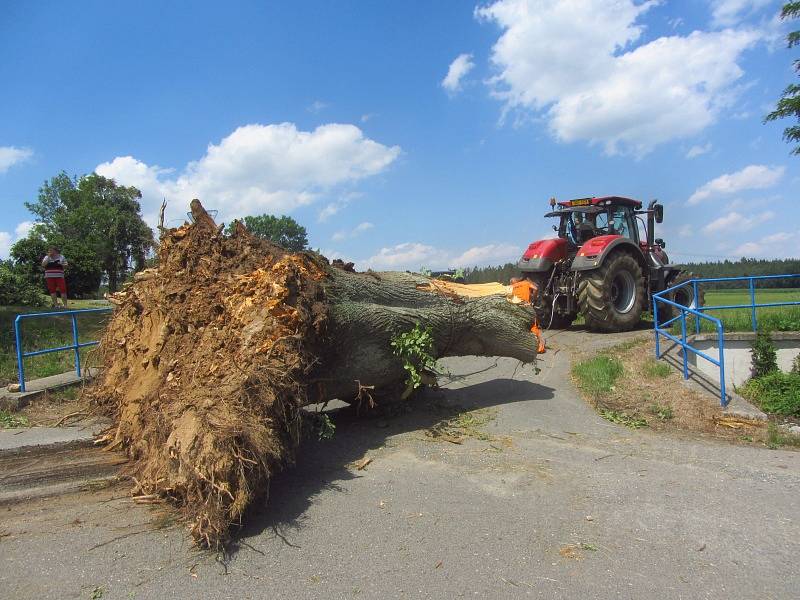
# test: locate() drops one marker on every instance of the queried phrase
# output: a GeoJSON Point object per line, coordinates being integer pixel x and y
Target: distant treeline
{"type": "Point", "coordinates": [728, 268]}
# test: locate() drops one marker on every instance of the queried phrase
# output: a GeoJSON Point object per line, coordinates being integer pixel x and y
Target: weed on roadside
{"type": "Point", "coordinates": [622, 418]}
{"type": "Point", "coordinates": [777, 439]}
{"type": "Point", "coordinates": [10, 420]}
{"type": "Point", "coordinates": [663, 411]}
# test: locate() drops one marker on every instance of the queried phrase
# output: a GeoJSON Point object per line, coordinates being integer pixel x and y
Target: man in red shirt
{"type": "Point", "coordinates": [54, 264]}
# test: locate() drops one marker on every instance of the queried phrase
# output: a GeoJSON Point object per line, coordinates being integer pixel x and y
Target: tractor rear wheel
{"type": "Point", "coordinates": [612, 297]}
{"type": "Point", "coordinates": [544, 305]}
{"type": "Point", "coordinates": [683, 296]}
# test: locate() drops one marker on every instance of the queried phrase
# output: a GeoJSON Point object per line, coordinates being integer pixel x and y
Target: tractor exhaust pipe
{"type": "Point", "coordinates": [655, 213]}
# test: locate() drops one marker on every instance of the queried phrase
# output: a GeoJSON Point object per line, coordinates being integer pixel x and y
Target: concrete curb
{"type": "Point", "coordinates": [14, 401]}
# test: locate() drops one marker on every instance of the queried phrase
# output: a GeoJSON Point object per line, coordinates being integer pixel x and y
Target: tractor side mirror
{"type": "Point", "coordinates": [660, 242]}
{"type": "Point", "coordinates": [658, 210]}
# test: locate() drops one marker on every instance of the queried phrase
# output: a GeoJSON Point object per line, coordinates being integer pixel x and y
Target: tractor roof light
{"type": "Point", "coordinates": [552, 202]}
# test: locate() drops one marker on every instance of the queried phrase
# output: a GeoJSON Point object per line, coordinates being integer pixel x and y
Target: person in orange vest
{"type": "Point", "coordinates": [525, 291]}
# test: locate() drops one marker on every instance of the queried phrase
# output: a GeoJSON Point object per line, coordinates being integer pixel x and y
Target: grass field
{"type": "Point", "coordinates": [779, 318]}
{"type": "Point", "coordinates": [38, 334]}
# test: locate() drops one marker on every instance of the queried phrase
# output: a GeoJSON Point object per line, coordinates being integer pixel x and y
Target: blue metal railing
{"type": "Point", "coordinates": [75, 346]}
{"type": "Point", "coordinates": [660, 329]}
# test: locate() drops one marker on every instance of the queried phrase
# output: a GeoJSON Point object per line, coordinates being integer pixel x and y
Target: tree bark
{"type": "Point", "coordinates": [366, 310]}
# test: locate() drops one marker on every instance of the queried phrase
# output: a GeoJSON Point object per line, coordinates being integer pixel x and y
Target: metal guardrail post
{"type": "Point", "coordinates": [683, 350]}
{"type": "Point", "coordinates": [77, 347]}
{"type": "Point", "coordinates": [20, 364]}
{"type": "Point", "coordinates": [753, 303]}
{"type": "Point", "coordinates": [655, 322]}
{"type": "Point", "coordinates": [723, 398]}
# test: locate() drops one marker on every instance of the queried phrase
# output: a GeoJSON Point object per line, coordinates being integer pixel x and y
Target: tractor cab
{"type": "Point", "coordinates": [587, 218]}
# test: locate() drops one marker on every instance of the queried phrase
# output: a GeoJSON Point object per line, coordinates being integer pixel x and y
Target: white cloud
{"type": "Point", "coordinates": [355, 232]}
{"type": "Point", "coordinates": [317, 107]}
{"type": "Point", "coordinates": [5, 244]}
{"type": "Point", "coordinates": [734, 223]}
{"type": "Point", "coordinates": [11, 155]}
{"type": "Point", "coordinates": [726, 13]}
{"type": "Point", "coordinates": [412, 256]}
{"type": "Point", "coordinates": [574, 63]}
{"type": "Point", "coordinates": [257, 169]}
{"type": "Point", "coordinates": [7, 239]}
{"type": "Point", "coordinates": [776, 245]}
{"type": "Point", "coordinates": [686, 231]}
{"type": "Point", "coordinates": [455, 73]}
{"type": "Point", "coordinates": [752, 177]}
{"type": "Point", "coordinates": [22, 229]}
{"type": "Point", "coordinates": [698, 150]}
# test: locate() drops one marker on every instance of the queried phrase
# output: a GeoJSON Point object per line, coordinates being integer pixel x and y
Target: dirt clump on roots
{"type": "Point", "coordinates": [205, 360]}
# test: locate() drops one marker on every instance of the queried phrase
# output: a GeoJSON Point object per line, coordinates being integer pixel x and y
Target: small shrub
{"type": "Point", "coordinates": [16, 290]}
{"type": "Point", "coordinates": [764, 355]}
{"type": "Point", "coordinates": [796, 365]}
{"type": "Point", "coordinates": [776, 392]}
{"type": "Point", "coordinates": [597, 375]}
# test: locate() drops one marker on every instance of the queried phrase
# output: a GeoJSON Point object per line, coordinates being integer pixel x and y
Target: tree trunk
{"type": "Point", "coordinates": [366, 310]}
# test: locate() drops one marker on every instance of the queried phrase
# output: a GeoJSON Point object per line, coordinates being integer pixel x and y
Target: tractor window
{"type": "Point", "coordinates": [621, 223]}
{"type": "Point", "coordinates": [601, 222]}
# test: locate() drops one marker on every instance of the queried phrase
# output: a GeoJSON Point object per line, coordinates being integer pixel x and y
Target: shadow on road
{"type": "Point", "coordinates": [321, 465]}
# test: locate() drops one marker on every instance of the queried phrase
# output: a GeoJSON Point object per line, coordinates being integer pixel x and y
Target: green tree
{"type": "Point", "coordinates": [789, 104]}
{"type": "Point", "coordinates": [284, 231]}
{"type": "Point", "coordinates": [96, 223]}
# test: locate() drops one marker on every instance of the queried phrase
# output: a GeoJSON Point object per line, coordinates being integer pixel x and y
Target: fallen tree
{"type": "Point", "coordinates": [210, 356]}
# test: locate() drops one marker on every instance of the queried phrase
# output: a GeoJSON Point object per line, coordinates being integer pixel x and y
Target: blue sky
{"type": "Point", "coordinates": [410, 134]}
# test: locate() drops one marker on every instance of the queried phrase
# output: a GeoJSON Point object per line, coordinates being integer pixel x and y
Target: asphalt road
{"type": "Point", "coordinates": [558, 504]}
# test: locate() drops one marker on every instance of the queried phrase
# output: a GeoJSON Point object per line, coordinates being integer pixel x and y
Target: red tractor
{"type": "Point", "coordinates": [604, 264]}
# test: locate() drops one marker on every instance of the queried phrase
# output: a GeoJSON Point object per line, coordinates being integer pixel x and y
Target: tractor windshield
{"type": "Point", "coordinates": [581, 223]}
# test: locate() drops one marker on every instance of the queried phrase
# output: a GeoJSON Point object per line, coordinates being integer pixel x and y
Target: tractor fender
{"type": "Point", "coordinates": [542, 255]}
{"type": "Point", "coordinates": [592, 254]}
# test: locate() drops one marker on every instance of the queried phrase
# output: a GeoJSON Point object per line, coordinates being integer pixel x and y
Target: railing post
{"type": "Point", "coordinates": [721, 344]}
{"type": "Point", "coordinates": [696, 306]}
{"type": "Point", "coordinates": [20, 365]}
{"type": "Point", "coordinates": [753, 304]}
{"type": "Point", "coordinates": [655, 325]}
{"type": "Point", "coordinates": [683, 338]}
{"type": "Point", "coordinates": [75, 344]}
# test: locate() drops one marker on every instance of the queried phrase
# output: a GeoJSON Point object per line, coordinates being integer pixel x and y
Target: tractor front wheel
{"type": "Point", "coordinates": [612, 297]}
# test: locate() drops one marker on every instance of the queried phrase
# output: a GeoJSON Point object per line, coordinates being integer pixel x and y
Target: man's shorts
{"type": "Point", "coordinates": [56, 284]}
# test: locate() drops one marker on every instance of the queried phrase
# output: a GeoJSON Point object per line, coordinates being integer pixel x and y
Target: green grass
{"type": "Point", "coordinates": [10, 420]}
{"type": "Point", "coordinates": [776, 438]}
{"type": "Point", "coordinates": [597, 375]}
{"type": "Point", "coordinates": [778, 318]}
{"type": "Point", "coordinates": [775, 393]}
{"type": "Point", "coordinates": [656, 369]}
{"type": "Point", "coordinates": [43, 333]}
